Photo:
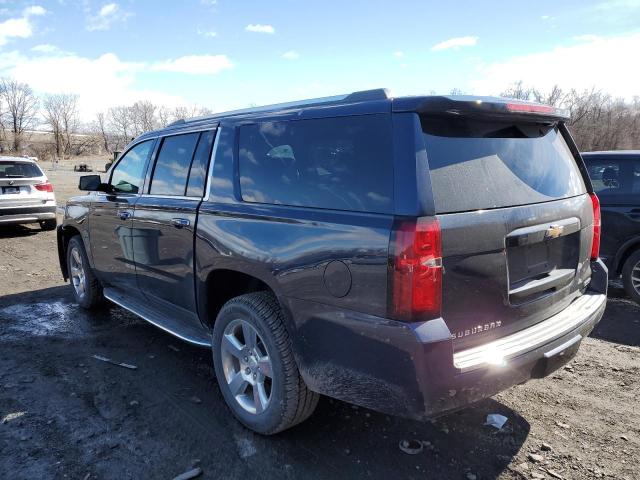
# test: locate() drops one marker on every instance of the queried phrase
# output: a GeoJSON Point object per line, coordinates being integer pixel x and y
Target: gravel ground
{"type": "Point", "coordinates": [65, 414]}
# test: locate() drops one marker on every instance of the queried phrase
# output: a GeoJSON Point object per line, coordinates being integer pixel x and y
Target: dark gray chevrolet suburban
{"type": "Point", "coordinates": [410, 255]}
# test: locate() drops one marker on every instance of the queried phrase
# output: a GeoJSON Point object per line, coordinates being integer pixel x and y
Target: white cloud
{"type": "Point", "coordinates": [45, 48]}
{"type": "Point", "coordinates": [455, 43]}
{"type": "Point", "coordinates": [108, 14]}
{"type": "Point", "coordinates": [34, 10]}
{"type": "Point", "coordinates": [291, 55]}
{"type": "Point", "coordinates": [398, 54]}
{"type": "Point", "coordinates": [194, 64]}
{"type": "Point", "coordinates": [101, 82]}
{"type": "Point", "coordinates": [259, 28]}
{"type": "Point", "coordinates": [207, 33]}
{"type": "Point", "coordinates": [600, 62]}
{"type": "Point", "coordinates": [19, 27]}
{"type": "Point", "coordinates": [586, 38]}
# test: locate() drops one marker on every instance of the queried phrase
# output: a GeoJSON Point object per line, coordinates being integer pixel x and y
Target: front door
{"type": "Point", "coordinates": [111, 219]}
{"type": "Point", "coordinates": [164, 221]}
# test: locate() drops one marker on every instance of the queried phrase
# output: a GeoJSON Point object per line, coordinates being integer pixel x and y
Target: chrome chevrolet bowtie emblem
{"type": "Point", "coordinates": [554, 231]}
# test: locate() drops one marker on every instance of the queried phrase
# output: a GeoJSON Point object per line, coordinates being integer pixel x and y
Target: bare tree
{"type": "Point", "coordinates": [61, 114]}
{"type": "Point", "coordinates": [21, 108]}
{"type": "Point", "coordinates": [120, 121]}
{"type": "Point", "coordinates": [101, 128]}
{"type": "Point", "coordinates": [143, 113]}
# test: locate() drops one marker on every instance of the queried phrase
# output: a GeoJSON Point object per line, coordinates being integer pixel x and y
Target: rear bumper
{"type": "Point", "coordinates": [31, 214]}
{"type": "Point", "coordinates": [411, 370]}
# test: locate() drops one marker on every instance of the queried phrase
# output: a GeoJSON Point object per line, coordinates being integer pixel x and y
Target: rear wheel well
{"type": "Point", "coordinates": [223, 285]}
{"type": "Point", "coordinates": [628, 251]}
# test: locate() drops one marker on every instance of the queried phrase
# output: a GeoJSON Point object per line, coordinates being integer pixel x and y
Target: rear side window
{"type": "Point", "coordinates": [479, 165]}
{"type": "Point", "coordinates": [342, 163]}
{"type": "Point", "coordinates": [613, 176]}
{"type": "Point", "coordinates": [172, 166]}
{"type": "Point", "coordinates": [198, 172]}
{"type": "Point", "coordinates": [11, 169]}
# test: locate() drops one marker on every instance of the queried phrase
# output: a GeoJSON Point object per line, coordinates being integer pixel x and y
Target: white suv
{"type": "Point", "coordinates": [26, 195]}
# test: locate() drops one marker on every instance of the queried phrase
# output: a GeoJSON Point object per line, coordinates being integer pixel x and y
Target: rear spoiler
{"type": "Point", "coordinates": [494, 107]}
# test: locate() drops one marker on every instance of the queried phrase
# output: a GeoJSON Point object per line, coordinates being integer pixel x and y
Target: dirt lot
{"type": "Point", "coordinates": [64, 414]}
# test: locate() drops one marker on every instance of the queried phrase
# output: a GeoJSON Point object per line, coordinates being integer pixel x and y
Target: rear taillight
{"type": "Point", "coordinates": [530, 108]}
{"type": "Point", "coordinates": [597, 226]}
{"type": "Point", "coordinates": [415, 276]}
{"type": "Point", "coordinates": [44, 187]}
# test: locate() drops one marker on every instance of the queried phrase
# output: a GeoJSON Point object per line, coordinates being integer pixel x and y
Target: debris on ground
{"type": "Point", "coordinates": [496, 420]}
{"type": "Point", "coordinates": [535, 458]}
{"type": "Point", "coordinates": [174, 348]}
{"type": "Point", "coordinates": [112, 362]}
{"type": "Point", "coordinates": [545, 447]}
{"type": "Point", "coordinates": [411, 447]}
{"type": "Point", "coordinates": [193, 473]}
{"type": "Point", "coordinates": [195, 399]}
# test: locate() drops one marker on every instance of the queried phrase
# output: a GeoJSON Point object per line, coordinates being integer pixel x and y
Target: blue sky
{"type": "Point", "coordinates": [231, 53]}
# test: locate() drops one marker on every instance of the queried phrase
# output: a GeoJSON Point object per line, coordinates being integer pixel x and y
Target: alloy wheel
{"type": "Point", "coordinates": [78, 277]}
{"type": "Point", "coordinates": [247, 366]}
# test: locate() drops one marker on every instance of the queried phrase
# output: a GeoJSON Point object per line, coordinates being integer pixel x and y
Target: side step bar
{"type": "Point", "coordinates": [175, 325]}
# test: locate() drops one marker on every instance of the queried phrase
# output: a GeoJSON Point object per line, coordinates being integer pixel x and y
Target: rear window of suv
{"type": "Point", "coordinates": [11, 169]}
{"type": "Point", "coordinates": [477, 165]}
{"type": "Point", "coordinates": [342, 163]}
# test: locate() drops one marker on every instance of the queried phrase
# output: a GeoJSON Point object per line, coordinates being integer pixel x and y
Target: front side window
{"type": "Point", "coordinates": [172, 166]}
{"type": "Point", "coordinates": [128, 174]}
{"type": "Point", "coordinates": [342, 163]}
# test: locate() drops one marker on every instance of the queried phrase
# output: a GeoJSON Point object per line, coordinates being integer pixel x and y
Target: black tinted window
{"type": "Point", "coordinates": [479, 165]}
{"type": "Point", "coordinates": [11, 169]}
{"type": "Point", "coordinates": [128, 174]}
{"type": "Point", "coordinates": [340, 163]}
{"type": "Point", "coordinates": [198, 173]}
{"type": "Point", "coordinates": [172, 166]}
{"type": "Point", "coordinates": [613, 176]}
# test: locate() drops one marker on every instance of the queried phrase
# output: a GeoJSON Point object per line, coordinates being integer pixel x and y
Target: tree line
{"type": "Point", "coordinates": [599, 121]}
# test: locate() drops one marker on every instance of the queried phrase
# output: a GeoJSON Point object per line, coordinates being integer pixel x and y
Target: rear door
{"type": "Point", "coordinates": [516, 223]}
{"type": "Point", "coordinates": [165, 220]}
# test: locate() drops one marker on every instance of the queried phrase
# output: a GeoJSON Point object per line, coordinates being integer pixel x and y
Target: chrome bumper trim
{"type": "Point", "coordinates": [499, 351]}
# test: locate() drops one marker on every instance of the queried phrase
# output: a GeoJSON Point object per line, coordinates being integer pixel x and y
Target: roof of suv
{"type": "Point", "coordinates": [16, 159]}
{"type": "Point", "coordinates": [373, 101]}
{"type": "Point", "coordinates": [617, 153]}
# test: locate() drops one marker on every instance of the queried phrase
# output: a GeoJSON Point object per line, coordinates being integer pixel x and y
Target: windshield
{"type": "Point", "coordinates": [17, 169]}
{"type": "Point", "coordinates": [479, 165]}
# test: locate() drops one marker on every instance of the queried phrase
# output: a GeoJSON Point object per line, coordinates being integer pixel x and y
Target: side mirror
{"type": "Point", "coordinates": [92, 183]}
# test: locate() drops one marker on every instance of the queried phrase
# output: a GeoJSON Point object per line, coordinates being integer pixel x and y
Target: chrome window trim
{"type": "Point", "coordinates": [214, 151]}
{"type": "Point", "coordinates": [180, 197]}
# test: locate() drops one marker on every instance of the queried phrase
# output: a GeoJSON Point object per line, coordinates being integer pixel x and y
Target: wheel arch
{"type": "Point", "coordinates": [64, 234]}
{"type": "Point", "coordinates": [624, 252]}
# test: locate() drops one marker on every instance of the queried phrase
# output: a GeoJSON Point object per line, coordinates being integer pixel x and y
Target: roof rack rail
{"type": "Point", "coordinates": [361, 96]}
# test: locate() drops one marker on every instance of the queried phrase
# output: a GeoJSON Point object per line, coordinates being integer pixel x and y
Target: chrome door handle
{"type": "Point", "coordinates": [180, 222]}
{"type": "Point", "coordinates": [124, 215]}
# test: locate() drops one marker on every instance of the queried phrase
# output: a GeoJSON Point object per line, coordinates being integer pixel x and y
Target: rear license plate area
{"type": "Point", "coordinates": [10, 190]}
{"type": "Point", "coordinates": [538, 264]}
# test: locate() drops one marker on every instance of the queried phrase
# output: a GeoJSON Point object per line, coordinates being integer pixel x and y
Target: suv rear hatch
{"type": "Point", "coordinates": [22, 183]}
{"type": "Point", "coordinates": [515, 217]}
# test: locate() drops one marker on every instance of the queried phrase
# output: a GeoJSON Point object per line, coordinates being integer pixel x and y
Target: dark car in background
{"type": "Point", "coordinates": [615, 176]}
{"type": "Point", "coordinates": [410, 255]}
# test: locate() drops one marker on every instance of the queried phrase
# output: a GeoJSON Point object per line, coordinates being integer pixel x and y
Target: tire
{"type": "Point", "coordinates": [48, 225]}
{"type": "Point", "coordinates": [631, 276]}
{"type": "Point", "coordinates": [289, 400]}
{"type": "Point", "coordinates": [85, 286]}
